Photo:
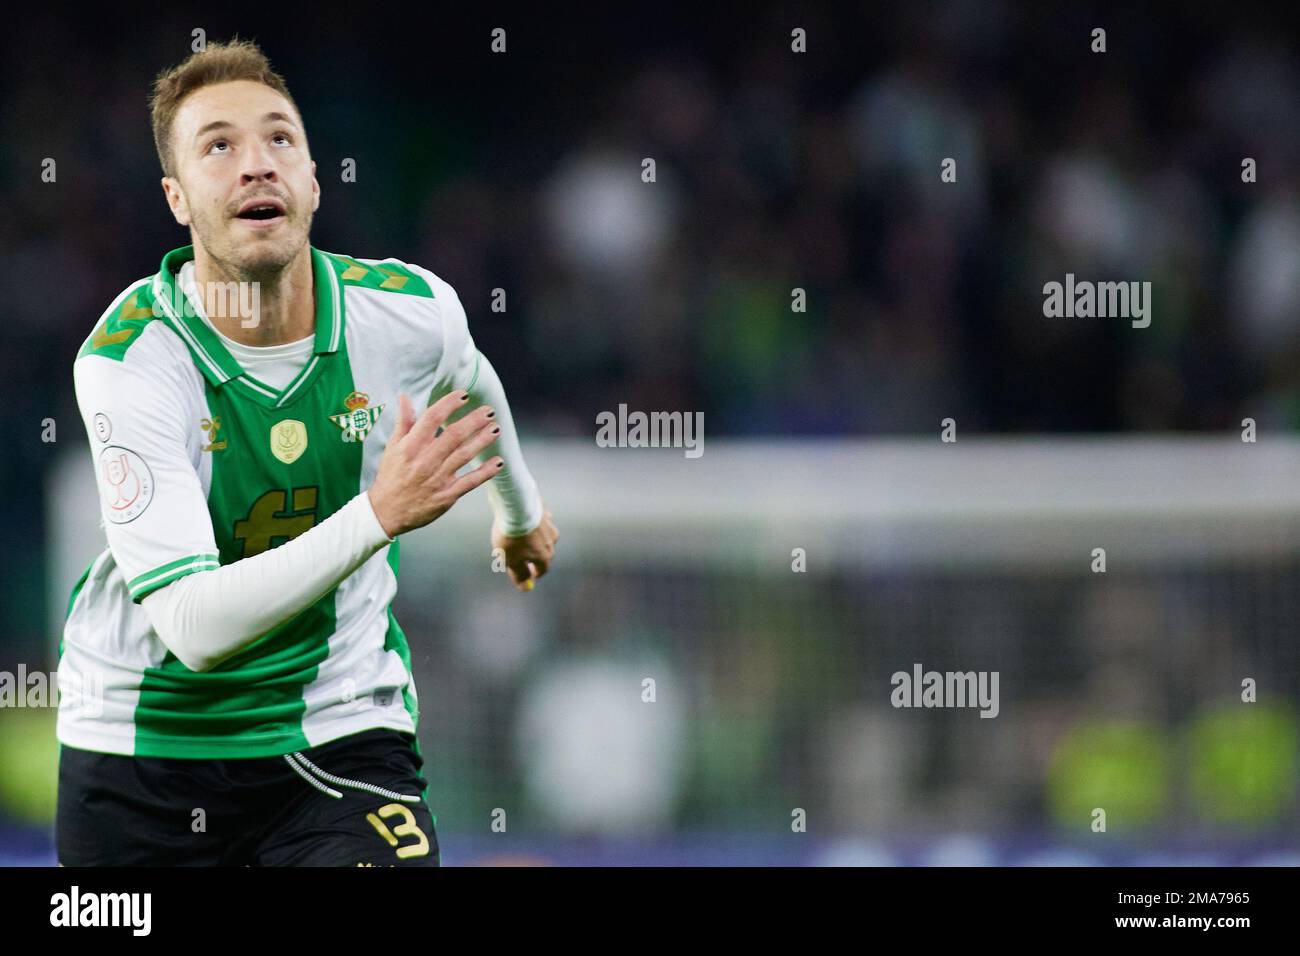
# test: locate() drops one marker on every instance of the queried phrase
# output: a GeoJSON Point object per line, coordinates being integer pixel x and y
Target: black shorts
{"type": "Point", "coordinates": [356, 801]}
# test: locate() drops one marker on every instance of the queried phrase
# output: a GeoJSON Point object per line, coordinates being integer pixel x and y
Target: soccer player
{"type": "Point", "coordinates": [258, 455]}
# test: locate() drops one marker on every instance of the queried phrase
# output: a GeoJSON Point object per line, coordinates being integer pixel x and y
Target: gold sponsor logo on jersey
{"type": "Point", "coordinates": [288, 440]}
{"type": "Point", "coordinates": [211, 426]}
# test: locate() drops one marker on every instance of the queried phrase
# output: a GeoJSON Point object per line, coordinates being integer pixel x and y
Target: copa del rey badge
{"type": "Point", "coordinates": [359, 418]}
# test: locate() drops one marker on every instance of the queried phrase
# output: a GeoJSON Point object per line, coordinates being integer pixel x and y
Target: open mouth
{"type": "Point", "coordinates": [261, 210]}
{"type": "Point", "coordinates": [261, 213]}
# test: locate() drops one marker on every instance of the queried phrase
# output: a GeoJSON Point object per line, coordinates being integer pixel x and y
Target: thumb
{"type": "Point", "coordinates": [521, 571]}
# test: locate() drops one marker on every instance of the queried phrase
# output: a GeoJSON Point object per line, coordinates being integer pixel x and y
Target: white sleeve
{"type": "Point", "coordinates": [160, 533]}
{"type": "Point", "coordinates": [513, 494]}
{"type": "Point", "coordinates": [150, 497]}
{"type": "Point", "coordinates": [208, 617]}
{"type": "Point", "coordinates": [516, 502]}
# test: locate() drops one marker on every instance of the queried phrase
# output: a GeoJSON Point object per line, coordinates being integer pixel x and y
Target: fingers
{"type": "Point", "coordinates": [438, 451]}
{"type": "Point", "coordinates": [530, 566]}
{"type": "Point", "coordinates": [472, 479]}
{"type": "Point", "coordinates": [471, 447]}
{"type": "Point", "coordinates": [416, 481]}
{"type": "Point", "coordinates": [546, 535]}
{"type": "Point", "coordinates": [459, 431]}
{"type": "Point", "coordinates": [526, 573]}
{"type": "Point", "coordinates": [528, 556]}
{"type": "Point", "coordinates": [523, 574]}
{"type": "Point", "coordinates": [436, 414]}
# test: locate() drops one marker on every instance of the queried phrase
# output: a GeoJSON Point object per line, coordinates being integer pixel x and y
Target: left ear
{"type": "Point", "coordinates": [315, 188]}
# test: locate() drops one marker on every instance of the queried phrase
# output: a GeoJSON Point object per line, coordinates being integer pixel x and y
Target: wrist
{"type": "Point", "coordinates": [385, 524]}
{"type": "Point", "coordinates": [522, 530]}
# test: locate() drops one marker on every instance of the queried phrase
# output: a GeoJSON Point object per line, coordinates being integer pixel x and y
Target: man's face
{"type": "Point", "coordinates": [245, 182]}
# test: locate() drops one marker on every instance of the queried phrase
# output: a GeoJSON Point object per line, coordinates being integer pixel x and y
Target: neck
{"type": "Point", "coordinates": [258, 308]}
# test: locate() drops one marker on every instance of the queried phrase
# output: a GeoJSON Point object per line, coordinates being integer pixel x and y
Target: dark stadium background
{"type": "Point", "coordinates": [775, 170]}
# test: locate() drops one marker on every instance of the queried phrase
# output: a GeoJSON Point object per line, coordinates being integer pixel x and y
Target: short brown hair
{"type": "Point", "coordinates": [216, 63]}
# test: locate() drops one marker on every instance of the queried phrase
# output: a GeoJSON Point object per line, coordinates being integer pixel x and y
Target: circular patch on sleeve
{"type": "Point", "coordinates": [103, 427]}
{"type": "Point", "coordinates": [126, 483]}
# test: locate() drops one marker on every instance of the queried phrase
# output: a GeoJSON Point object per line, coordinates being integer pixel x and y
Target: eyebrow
{"type": "Point", "coordinates": [272, 117]}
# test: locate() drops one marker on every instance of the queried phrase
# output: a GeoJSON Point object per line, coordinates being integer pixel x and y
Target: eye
{"type": "Point", "coordinates": [284, 136]}
{"type": "Point", "coordinates": [215, 143]}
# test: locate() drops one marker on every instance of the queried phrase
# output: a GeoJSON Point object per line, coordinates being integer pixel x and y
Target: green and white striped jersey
{"type": "Point", "coordinates": [200, 465]}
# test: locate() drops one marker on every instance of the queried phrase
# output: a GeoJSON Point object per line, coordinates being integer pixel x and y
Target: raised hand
{"type": "Point", "coordinates": [416, 482]}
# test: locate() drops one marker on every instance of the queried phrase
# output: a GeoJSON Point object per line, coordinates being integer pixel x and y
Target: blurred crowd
{"type": "Point", "coordinates": [773, 171]}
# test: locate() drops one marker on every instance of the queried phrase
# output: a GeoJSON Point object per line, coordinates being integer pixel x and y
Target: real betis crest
{"type": "Point", "coordinates": [357, 421]}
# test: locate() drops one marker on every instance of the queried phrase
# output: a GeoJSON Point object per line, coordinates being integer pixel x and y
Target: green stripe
{"type": "Point", "coordinates": [217, 364]}
{"type": "Point", "coordinates": [304, 373]}
{"type": "Point", "coordinates": [395, 638]}
{"type": "Point", "coordinates": [478, 356]}
{"type": "Point", "coordinates": [119, 327]}
{"type": "Point", "coordinates": [260, 388]}
{"type": "Point", "coordinates": [172, 565]}
{"type": "Point", "coordinates": [253, 389]}
{"type": "Point", "coordinates": [387, 275]}
{"type": "Point", "coordinates": [72, 599]}
{"type": "Point", "coordinates": [76, 588]}
{"type": "Point", "coordinates": [329, 298]}
{"type": "Point", "coordinates": [252, 704]}
{"type": "Point", "coordinates": [164, 574]}
{"type": "Point", "coordinates": [208, 363]}
{"type": "Point", "coordinates": [213, 358]}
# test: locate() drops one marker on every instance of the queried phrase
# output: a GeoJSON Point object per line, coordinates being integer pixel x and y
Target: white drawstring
{"type": "Point", "coordinates": [288, 758]}
{"type": "Point", "coordinates": [342, 781]}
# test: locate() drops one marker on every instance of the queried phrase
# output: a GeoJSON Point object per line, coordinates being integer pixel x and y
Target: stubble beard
{"type": "Point", "coordinates": [261, 260]}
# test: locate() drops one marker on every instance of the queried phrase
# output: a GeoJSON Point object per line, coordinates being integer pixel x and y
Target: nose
{"type": "Point", "coordinates": [258, 166]}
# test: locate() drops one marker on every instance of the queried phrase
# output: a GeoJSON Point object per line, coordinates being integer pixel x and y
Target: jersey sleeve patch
{"type": "Point", "coordinates": [387, 276]}
{"type": "Point", "coordinates": [121, 327]}
{"type": "Point", "coordinates": [148, 486]}
{"type": "Point", "coordinates": [127, 484]}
